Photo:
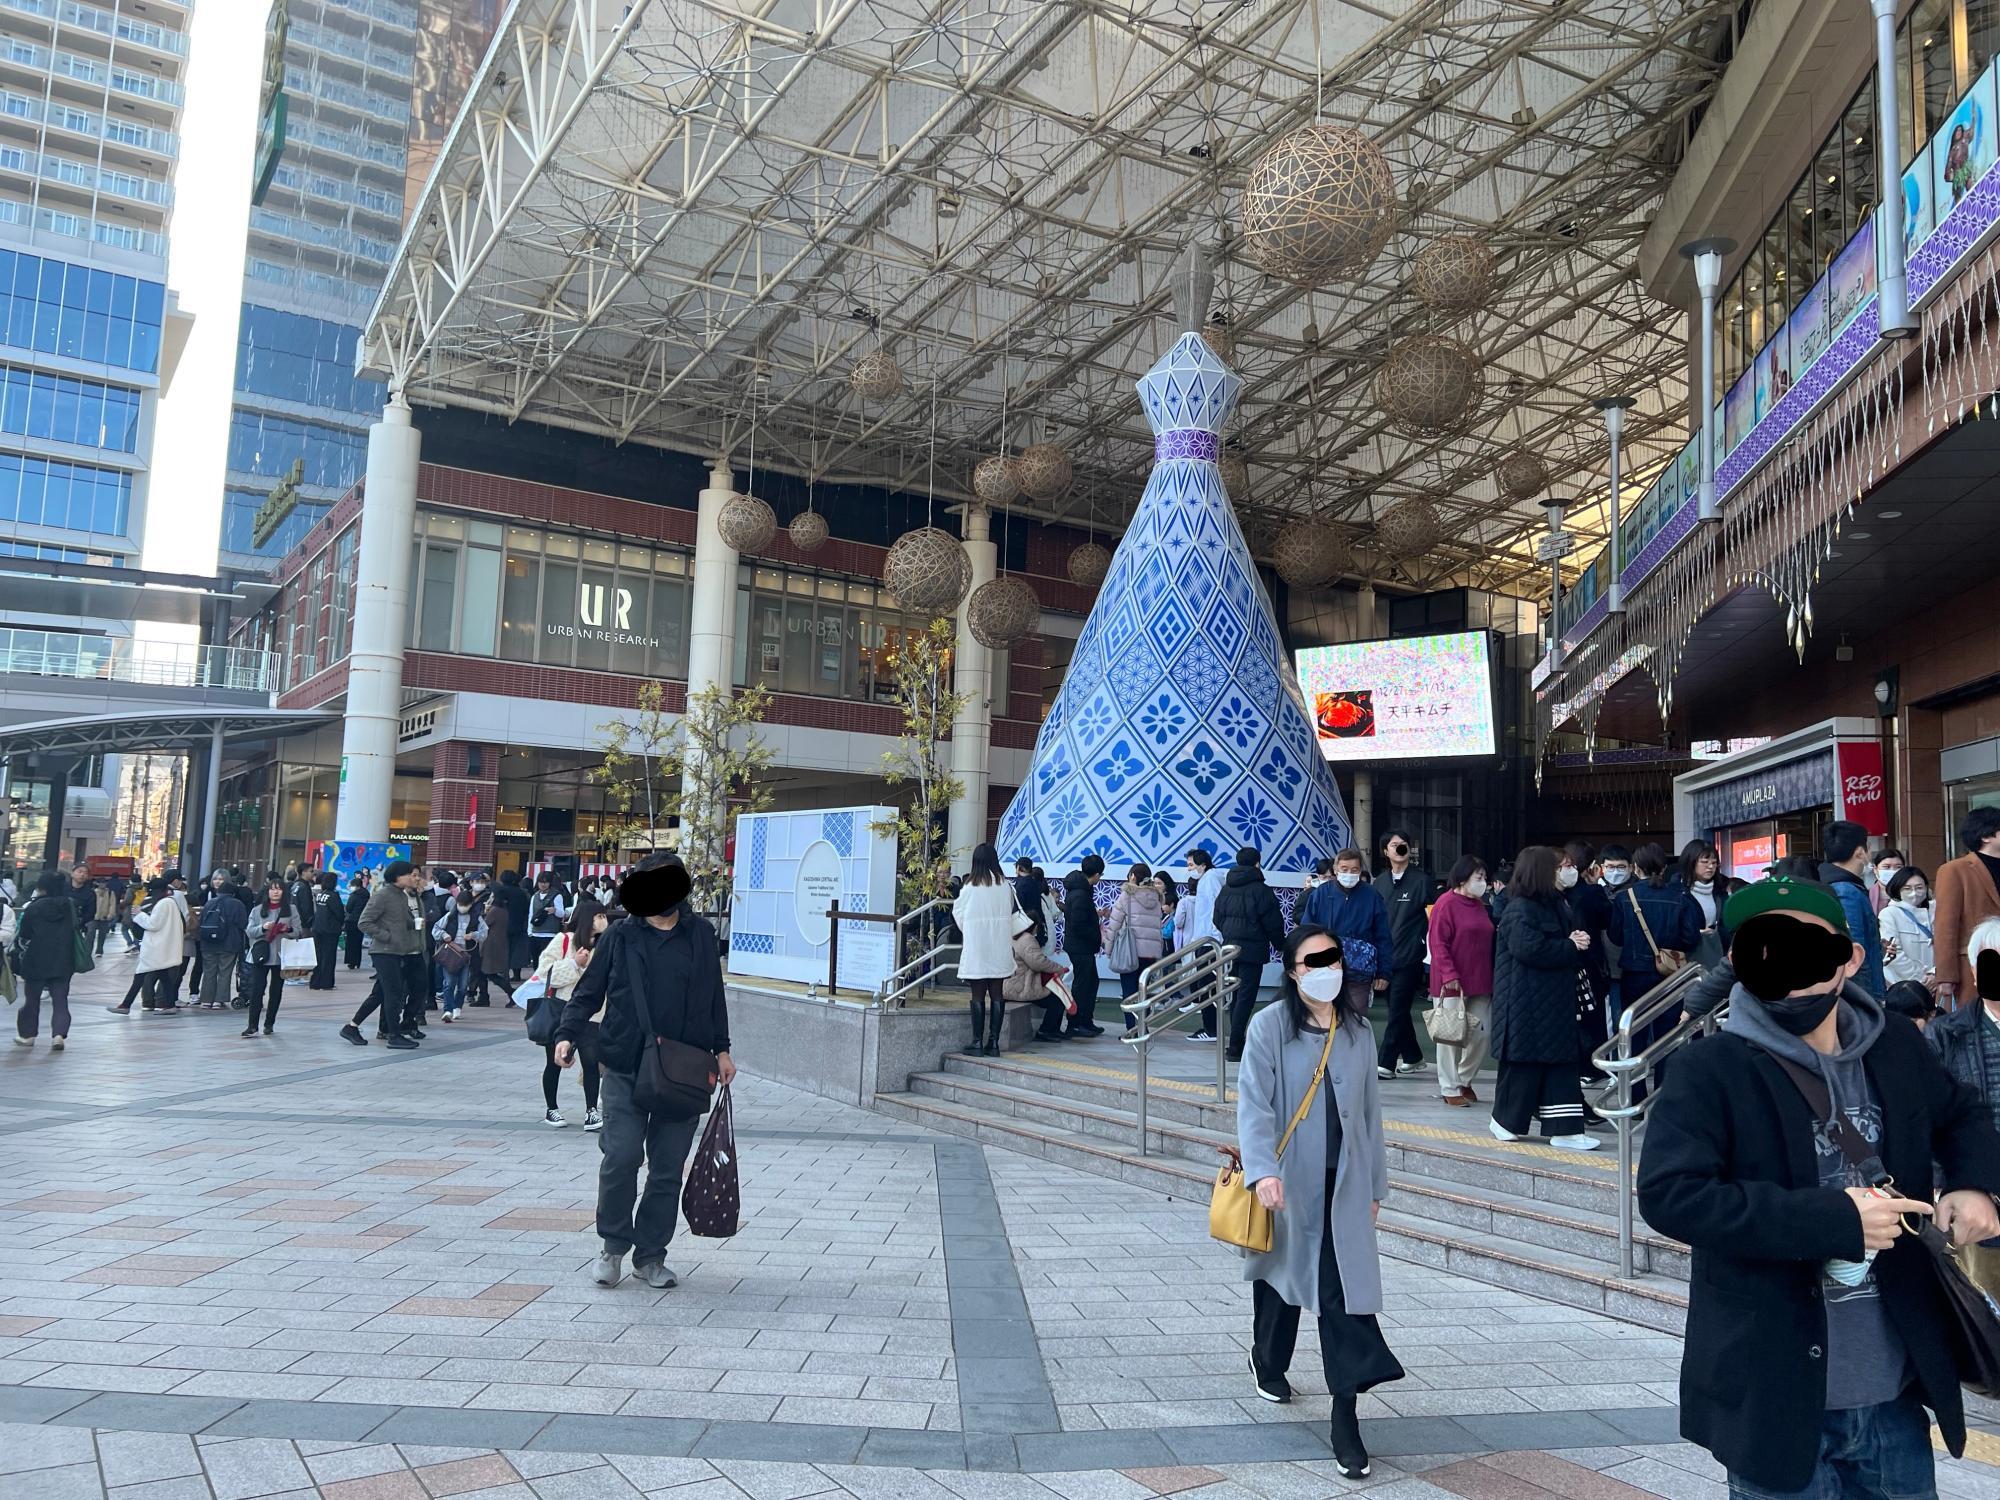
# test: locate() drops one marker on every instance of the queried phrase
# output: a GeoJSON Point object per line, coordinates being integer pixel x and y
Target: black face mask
{"type": "Point", "coordinates": [1802, 1015]}
{"type": "Point", "coordinates": [1986, 975]}
{"type": "Point", "coordinates": [1775, 955]}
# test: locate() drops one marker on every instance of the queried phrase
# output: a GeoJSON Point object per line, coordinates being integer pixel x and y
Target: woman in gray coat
{"type": "Point", "coordinates": [1324, 1185]}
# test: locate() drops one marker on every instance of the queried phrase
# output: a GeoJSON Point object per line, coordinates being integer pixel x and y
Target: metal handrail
{"type": "Point", "coordinates": [1631, 1071]}
{"type": "Point", "coordinates": [1181, 982]}
{"type": "Point", "coordinates": [920, 971]}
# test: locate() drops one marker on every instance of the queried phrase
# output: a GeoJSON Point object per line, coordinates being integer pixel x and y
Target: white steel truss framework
{"type": "Point", "coordinates": [664, 220]}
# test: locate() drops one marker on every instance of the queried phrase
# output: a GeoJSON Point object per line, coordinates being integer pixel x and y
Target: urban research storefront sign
{"type": "Point", "coordinates": [590, 623]}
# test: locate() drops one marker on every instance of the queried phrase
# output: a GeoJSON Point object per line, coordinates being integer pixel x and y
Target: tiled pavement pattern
{"type": "Point", "coordinates": [239, 1268]}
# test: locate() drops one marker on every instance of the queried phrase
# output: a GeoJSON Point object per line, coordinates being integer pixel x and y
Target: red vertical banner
{"type": "Point", "coordinates": [1861, 794]}
{"type": "Point", "coordinates": [472, 821]}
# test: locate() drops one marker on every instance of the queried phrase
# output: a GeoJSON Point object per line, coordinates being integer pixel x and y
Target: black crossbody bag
{"type": "Point", "coordinates": [674, 1078]}
{"type": "Point", "coordinates": [1972, 1324]}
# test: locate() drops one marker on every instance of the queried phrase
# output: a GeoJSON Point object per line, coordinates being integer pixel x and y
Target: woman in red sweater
{"type": "Point", "coordinates": [1462, 974]}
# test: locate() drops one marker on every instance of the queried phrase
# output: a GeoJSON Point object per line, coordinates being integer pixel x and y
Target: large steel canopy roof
{"type": "Point", "coordinates": [680, 222]}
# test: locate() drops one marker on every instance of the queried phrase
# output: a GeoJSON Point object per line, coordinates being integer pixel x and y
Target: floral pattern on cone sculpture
{"type": "Point", "coordinates": [1179, 724]}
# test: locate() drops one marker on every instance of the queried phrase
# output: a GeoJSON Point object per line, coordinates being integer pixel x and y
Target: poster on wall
{"type": "Point", "coordinates": [790, 868]}
{"type": "Point", "coordinates": [1963, 148]}
{"type": "Point", "coordinates": [1765, 389]}
{"type": "Point", "coordinates": [1919, 203]}
{"type": "Point", "coordinates": [1691, 469]}
{"type": "Point", "coordinates": [1412, 698]}
{"type": "Point", "coordinates": [1738, 411]}
{"type": "Point", "coordinates": [1806, 334]}
{"type": "Point", "coordinates": [1851, 281]}
{"type": "Point", "coordinates": [344, 858]}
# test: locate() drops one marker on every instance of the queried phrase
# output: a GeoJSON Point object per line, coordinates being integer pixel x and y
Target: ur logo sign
{"type": "Point", "coordinates": [590, 606]}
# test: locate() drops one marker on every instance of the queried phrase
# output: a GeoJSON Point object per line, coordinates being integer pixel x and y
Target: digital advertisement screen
{"type": "Point", "coordinates": [1417, 698]}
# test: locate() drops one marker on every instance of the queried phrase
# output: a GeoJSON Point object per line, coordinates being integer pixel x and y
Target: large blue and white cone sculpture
{"type": "Point", "coordinates": [1180, 725]}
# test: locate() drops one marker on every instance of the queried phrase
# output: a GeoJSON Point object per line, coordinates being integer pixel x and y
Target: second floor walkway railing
{"type": "Point", "coordinates": [98, 658]}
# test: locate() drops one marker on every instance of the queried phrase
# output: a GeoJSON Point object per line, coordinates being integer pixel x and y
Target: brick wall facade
{"type": "Point", "coordinates": [463, 802]}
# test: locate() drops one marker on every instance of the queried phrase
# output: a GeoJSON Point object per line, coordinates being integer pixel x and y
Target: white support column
{"type": "Point", "coordinates": [1893, 293]}
{"type": "Point", "coordinates": [712, 630]}
{"type": "Point", "coordinates": [211, 802]}
{"type": "Point", "coordinates": [1613, 409]}
{"type": "Point", "coordinates": [381, 622]}
{"type": "Point", "coordinates": [972, 728]}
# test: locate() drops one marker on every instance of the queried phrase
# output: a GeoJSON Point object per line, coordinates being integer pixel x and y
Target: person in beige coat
{"type": "Point", "coordinates": [1033, 969]}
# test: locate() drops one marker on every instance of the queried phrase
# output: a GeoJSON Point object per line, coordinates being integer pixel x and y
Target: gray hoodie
{"type": "Point", "coordinates": [1866, 1363]}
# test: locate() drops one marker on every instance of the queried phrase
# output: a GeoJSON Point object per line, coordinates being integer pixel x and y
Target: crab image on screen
{"type": "Point", "coordinates": [1345, 716]}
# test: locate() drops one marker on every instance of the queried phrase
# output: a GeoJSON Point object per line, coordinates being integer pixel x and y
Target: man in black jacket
{"type": "Point", "coordinates": [658, 973]}
{"type": "Point", "coordinates": [1968, 1044]}
{"type": "Point", "coordinates": [1029, 889]}
{"type": "Point", "coordinates": [1407, 890]}
{"type": "Point", "coordinates": [1083, 937]}
{"type": "Point", "coordinates": [357, 903]}
{"type": "Point", "coordinates": [1816, 1330]}
{"type": "Point", "coordinates": [1247, 914]}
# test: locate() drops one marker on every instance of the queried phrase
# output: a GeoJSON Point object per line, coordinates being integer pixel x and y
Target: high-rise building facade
{"type": "Point", "coordinates": [90, 102]}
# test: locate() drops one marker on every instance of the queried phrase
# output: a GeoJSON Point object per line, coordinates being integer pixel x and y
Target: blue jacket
{"type": "Point", "coordinates": [1357, 917]}
{"type": "Point", "coordinates": [1862, 924]}
{"type": "Point", "coordinates": [1671, 914]}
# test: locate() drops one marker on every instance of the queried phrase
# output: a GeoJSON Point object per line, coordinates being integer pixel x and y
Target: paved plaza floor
{"type": "Point", "coordinates": [289, 1266]}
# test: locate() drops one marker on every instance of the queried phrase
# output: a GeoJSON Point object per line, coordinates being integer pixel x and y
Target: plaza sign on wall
{"type": "Point", "coordinates": [790, 868]}
{"type": "Point", "coordinates": [593, 602]}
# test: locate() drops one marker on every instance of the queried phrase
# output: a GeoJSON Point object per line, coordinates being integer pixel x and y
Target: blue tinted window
{"type": "Point", "coordinates": [58, 308]}
{"type": "Point", "coordinates": [310, 361]}
{"type": "Point", "coordinates": [67, 410]}
{"type": "Point", "coordinates": [78, 497]}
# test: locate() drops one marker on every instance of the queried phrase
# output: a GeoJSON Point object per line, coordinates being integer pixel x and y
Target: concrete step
{"type": "Point", "coordinates": [1460, 1159]}
{"type": "Point", "coordinates": [1064, 1072]}
{"type": "Point", "coordinates": [1531, 1223]}
{"type": "Point", "coordinates": [1116, 1127]}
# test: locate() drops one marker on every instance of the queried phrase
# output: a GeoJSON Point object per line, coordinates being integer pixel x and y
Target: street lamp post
{"type": "Point", "coordinates": [1554, 548]}
{"type": "Point", "coordinates": [1893, 295]}
{"type": "Point", "coordinates": [1613, 409]}
{"type": "Point", "coordinates": [1707, 255]}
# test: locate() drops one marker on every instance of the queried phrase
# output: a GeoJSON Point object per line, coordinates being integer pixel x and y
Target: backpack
{"type": "Point", "coordinates": [214, 924]}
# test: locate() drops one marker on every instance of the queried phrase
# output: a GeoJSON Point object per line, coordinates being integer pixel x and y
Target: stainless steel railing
{"type": "Point", "coordinates": [914, 975]}
{"type": "Point", "coordinates": [1172, 988]}
{"type": "Point", "coordinates": [1632, 1061]}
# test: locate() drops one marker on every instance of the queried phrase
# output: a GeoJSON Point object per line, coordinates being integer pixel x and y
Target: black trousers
{"type": "Point", "coordinates": [271, 982]}
{"type": "Point", "coordinates": [174, 977]}
{"type": "Point", "coordinates": [1399, 1035]}
{"type": "Point", "coordinates": [353, 955]}
{"type": "Point", "coordinates": [1551, 1091]}
{"type": "Point", "coordinates": [1351, 1348]}
{"type": "Point", "coordinates": [399, 992]}
{"type": "Point", "coordinates": [989, 1011]}
{"type": "Point", "coordinates": [1248, 972]}
{"type": "Point", "coordinates": [1083, 982]}
{"type": "Point", "coordinates": [326, 948]}
{"type": "Point", "coordinates": [628, 1219]}
{"type": "Point", "coordinates": [586, 1053]}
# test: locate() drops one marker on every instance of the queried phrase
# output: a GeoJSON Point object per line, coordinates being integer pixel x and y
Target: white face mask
{"type": "Point", "coordinates": [1322, 986]}
{"type": "Point", "coordinates": [1882, 876]}
{"type": "Point", "coordinates": [1913, 898]}
{"type": "Point", "coordinates": [1476, 887]}
{"type": "Point", "coordinates": [1617, 877]}
{"type": "Point", "coordinates": [1566, 876]}
{"type": "Point", "coordinates": [1349, 879]}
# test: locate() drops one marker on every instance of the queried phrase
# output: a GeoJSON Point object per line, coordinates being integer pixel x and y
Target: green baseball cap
{"type": "Point", "coordinates": [1787, 895]}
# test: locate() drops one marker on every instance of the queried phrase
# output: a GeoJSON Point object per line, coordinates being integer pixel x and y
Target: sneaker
{"type": "Point", "coordinates": [554, 1117]}
{"type": "Point", "coordinates": [1091, 1030]}
{"type": "Point", "coordinates": [1385, 1074]}
{"type": "Point", "coordinates": [56, 1043]}
{"type": "Point", "coordinates": [592, 1120]}
{"type": "Point", "coordinates": [609, 1270]}
{"type": "Point", "coordinates": [415, 1033]}
{"type": "Point", "coordinates": [1276, 1390]}
{"type": "Point", "coordinates": [1410, 1069]}
{"type": "Point", "coordinates": [24, 1041]}
{"type": "Point", "coordinates": [657, 1275]}
{"type": "Point", "coordinates": [119, 1010]}
{"type": "Point", "coordinates": [352, 1033]}
{"type": "Point", "coordinates": [399, 1044]}
{"type": "Point", "coordinates": [1502, 1133]}
{"type": "Point", "coordinates": [1575, 1142]}
{"type": "Point", "coordinates": [1201, 1036]}
{"type": "Point", "coordinates": [449, 1017]}
{"type": "Point", "coordinates": [1050, 1036]}
{"type": "Point", "coordinates": [248, 1031]}
{"type": "Point", "coordinates": [270, 1031]}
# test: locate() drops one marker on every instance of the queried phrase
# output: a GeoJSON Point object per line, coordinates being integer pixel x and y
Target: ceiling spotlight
{"type": "Point", "coordinates": [1310, 333]}
{"type": "Point", "coordinates": [1199, 149]}
{"type": "Point", "coordinates": [948, 205]}
{"type": "Point", "coordinates": [1888, 515]}
{"type": "Point", "coordinates": [1524, 116]}
{"type": "Point", "coordinates": [1859, 536]}
{"type": "Point", "coordinates": [1433, 86]}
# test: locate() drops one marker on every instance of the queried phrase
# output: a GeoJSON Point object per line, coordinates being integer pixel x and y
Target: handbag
{"type": "Point", "coordinates": [1972, 1326]}
{"type": "Point", "coordinates": [712, 1201]}
{"type": "Point", "coordinates": [297, 953]}
{"type": "Point", "coordinates": [1123, 952]}
{"type": "Point", "coordinates": [1667, 962]}
{"type": "Point", "coordinates": [545, 1014]}
{"type": "Point", "coordinates": [1234, 1215]}
{"type": "Point", "coordinates": [80, 960]}
{"type": "Point", "coordinates": [1060, 992]}
{"type": "Point", "coordinates": [452, 958]}
{"type": "Point", "coordinates": [1446, 1020]}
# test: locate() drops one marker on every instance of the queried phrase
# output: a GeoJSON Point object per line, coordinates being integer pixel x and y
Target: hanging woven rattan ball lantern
{"type": "Point", "coordinates": [1408, 529]}
{"type": "Point", "coordinates": [1002, 610]}
{"type": "Point", "coordinates": [996, 480]}
{"type": "Point", "coordinates": [1221, 342]}
{"type": "Point", "coordinates": [1235, 475]}
{"type": "Point", "coordinates": [1088, 564]}
{"type": "Point", "coordinates": [746, 523]}
{"type": "Point", "coordinates": [1043, 470]}
{"type": "Point", "coordinates": [1310, 553]}
{"type": "Point", "coordinates": [875, 377]}
{"type": "Point", "coordinates": [808, 531]}
{"type": "Point", "coordinates": [1319, 205]}
{"type": "Point", "coordinates": [928, 572]}
{"type": "Point", "coordinates": [1521, 474]}
{"type": "Point", "coordinates": [1453, 275]}
{"type": "Point", "coordinates": [1429, 384]}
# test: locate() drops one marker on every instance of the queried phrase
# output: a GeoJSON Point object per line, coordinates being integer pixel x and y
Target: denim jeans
{"type": "Point", "coordinates": [1870, 1453]}
{"type": "Point", "coordinates": [451, 988]}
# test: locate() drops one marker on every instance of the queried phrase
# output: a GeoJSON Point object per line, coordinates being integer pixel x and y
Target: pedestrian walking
{"type": "Point", "coordinates": [1817, 1329]}
{"type": "Point", "coordinates": [104, 910]}
{"type": "Point", "coordinates": [496, 951]}
{"type": "Point", "coordinates": [221, 935]}
{"type": "Point", "coordinates": [1138, 912]}
{"type": "Point", "coordinates": [1843, 853]}
{"type": "Point", "coordinates": [163, 930]}
{"type": "Point", "coordinates": [548, 913]}
{"type": "Point", "coordinates": [983, 912]}
{"type": "Point", "coordinates": [1967, 1041]}
{"type": "Point", "coordinates": [515, 954]}
{"type": "Point", "coordinates": [1309, 1126]}
{"type": "Point", "coordinates": [454, 937]}
{"type": "Point", "coordinates": [1083, 940]}
{"type": "Point", "coordinates": [1247, 914]}
{"type": "Point", "coordinates": [1461, 941]}
{"type": "Point", "coordinates": [560, 965]}
{"type": "Point", "coordinates": [1349, 907]}
{"type": "Point", "coordinates": [357, 903]}
{"type": "Point", "coordinates": [329, 917]}
{"type": "Point", "coordinates": [1537, 965]}
{"type": "Point", "coordinates": [391, 923]}
{"type": "Point", "coordinates": [656, 974]}
{"type": "Point", "coordinates": [273, 920]}
{"type": "Point", "coordinates": [1656, 924]}
{"type": "Point", "coordinates": [44, 958]}
{"type": "Point", "coordinates": [1909, 938]}
{"type": "Point", "coordinates": [1407, 890]}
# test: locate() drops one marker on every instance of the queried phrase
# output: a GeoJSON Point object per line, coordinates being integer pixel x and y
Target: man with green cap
{"type": "Point", "coordinates": [1780, 1152]}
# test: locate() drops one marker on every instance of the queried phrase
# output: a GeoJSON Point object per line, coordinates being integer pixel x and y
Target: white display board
{"type": "Point", "coordinates": [790, 866]}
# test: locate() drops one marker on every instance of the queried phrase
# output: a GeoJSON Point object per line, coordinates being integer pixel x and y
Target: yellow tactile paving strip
{"type": "Point", "coordinates": [1980, 1447]}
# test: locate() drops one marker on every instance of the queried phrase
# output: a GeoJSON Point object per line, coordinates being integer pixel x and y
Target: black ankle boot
{"type": "Point", "coordinates": [1348, 1452]}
